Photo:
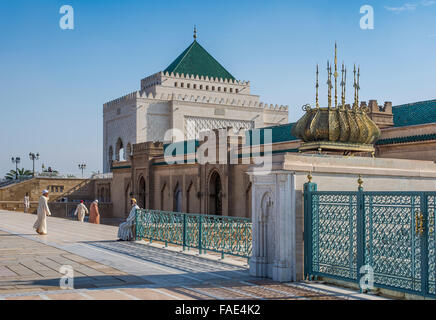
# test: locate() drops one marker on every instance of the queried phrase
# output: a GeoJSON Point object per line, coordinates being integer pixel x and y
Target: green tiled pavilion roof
{"type": "Point", "coordinates": [280, 133]}
{"type": "Point", "coordinates": [195, 60]}
{"type": "Point", "coordinates": [414, 113]}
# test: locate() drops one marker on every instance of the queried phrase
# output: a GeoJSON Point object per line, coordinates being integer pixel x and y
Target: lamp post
{"type": "Point", "coordinates": [16, 160]}
{"type": "Point", "coordinates": [33, 157]}
{"type": "Point", "coordinates": [82, 167]}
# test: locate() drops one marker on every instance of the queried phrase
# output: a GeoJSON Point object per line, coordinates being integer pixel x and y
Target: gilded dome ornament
{"type": "Point", "coordinates": [338, 128]}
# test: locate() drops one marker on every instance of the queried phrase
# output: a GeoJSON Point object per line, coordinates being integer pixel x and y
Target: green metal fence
{"type": "Point", "coordinates": [391, 232]}
{"type": "Point", "coordinates": [226, 235]}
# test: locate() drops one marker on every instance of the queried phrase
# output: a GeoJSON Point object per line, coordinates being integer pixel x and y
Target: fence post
{"type": "Point", "coordinates": [184, 232]}
{"type": "Point", "coordinates": [309, 187]}
{"type": "Point", "coordinates": [424, 244]}
{"type": "Point", "coordinates": [136, 224]}
{"type": "Point", "coordinates": [360, 230]}
{"type": "Point", "coordinates": [199, 234]}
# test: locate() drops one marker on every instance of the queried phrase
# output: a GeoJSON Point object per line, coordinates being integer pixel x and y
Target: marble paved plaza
{"type": "Point", "coordinates": [108, 269]}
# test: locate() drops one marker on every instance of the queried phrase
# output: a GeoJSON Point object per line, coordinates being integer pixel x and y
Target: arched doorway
{"type": "Point", "coordinates": [141, 193]}
{"type": "Point", "coordinates": [177, 205]}
{"type": "Point", "coordinates": [119, 152]}
{"type": "Point", "coordinates": [215, 195]}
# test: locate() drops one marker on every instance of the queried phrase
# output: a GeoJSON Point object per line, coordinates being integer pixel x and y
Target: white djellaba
{"type": "Point", "coordinates": [125, 231]}
{"type": "Point", "coordinates": [42, 212]}
{"type": "Point", "coordinates": [80, 212]}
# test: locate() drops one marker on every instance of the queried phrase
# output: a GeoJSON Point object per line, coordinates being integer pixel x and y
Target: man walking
{"type": "Point", "coordinates": [94, 215]}
{"type": "Point", "coordinates": [80, 212]}
{"type": "Point", "coordinates": [42, 212]}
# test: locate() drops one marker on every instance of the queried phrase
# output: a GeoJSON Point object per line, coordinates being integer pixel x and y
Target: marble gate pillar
{"type": "Point", "coordinates": [273, 233]}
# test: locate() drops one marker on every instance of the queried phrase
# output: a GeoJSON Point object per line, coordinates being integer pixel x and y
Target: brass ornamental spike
{"type": "Point", "coordinates": [355, 87]}
{"type": "Point", "coordinates": [317, 86]}
{"type": "Point", "coordinates": [336, 75]}
{"type": "Point", "coordinates": [309, 177]}
{"type": "Point", "coordinates": [329, 84]}
{"type": "Point", "coordinates": [358, 86]}
{"type": "Point", "coordinates": [195, 32]}
{"type": "Point", "coordinates": [343, 87]}
{"type": "Point", "coordinates": [360, 181]}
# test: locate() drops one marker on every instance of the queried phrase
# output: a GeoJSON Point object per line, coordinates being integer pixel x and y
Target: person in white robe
{"type": "Point", "coordinates": [80, 212]}
{"type": "Point", "coordinates": [127, 229]}
{"type": "Point", "coordinates": [43, 211]}
{"type": "Point", "coordinates": [26, 203]}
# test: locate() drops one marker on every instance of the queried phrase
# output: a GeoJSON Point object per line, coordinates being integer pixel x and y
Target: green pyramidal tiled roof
{"type": "Point", "coordinates": [414, 113]}
{"type": "Point", "coordinates": [195, 60]}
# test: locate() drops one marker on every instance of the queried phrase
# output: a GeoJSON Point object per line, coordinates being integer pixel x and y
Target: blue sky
{"type": "Point", "coordinates": [53, 82]}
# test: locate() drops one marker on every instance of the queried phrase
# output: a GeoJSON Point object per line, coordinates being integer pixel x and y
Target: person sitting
{"type": "Point", "coordinates": [126, 231]}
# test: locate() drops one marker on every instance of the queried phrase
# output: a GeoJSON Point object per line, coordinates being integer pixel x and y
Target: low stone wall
{"type": "Point", "coordinates": [66, 209]}
{"type": "Point", "coordinates": [18, 206]}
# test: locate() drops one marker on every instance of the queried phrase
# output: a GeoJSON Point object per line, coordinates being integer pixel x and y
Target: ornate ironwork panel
{"type": "Point", "coordinates": [390, 233]}
{"type": "Point", "coordinates": [227, 235]}
{"type": "Point", "coordinates": [334, 234]}
{"type": "Point", "coordinates": [159, 225]}
{"type": "Point", "coordinates": [431, 209]}
{"type": "Point", "coordinates": [393, 247]}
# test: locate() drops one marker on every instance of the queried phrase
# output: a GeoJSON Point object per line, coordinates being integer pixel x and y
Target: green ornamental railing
{"type": "Point", "coordinates": [388, 237]}
{"type": "Point", "coordinates": [226, 235]}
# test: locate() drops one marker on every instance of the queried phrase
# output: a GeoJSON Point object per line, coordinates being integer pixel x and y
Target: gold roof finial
{"type": "Point", "coordinates": [355, 87]}
{"type": "Point", "coordinates": [317, 86]}
{"type": "Point", "coordinates": [336, 75]}
{"type": "Point", "coordinates": [195, 32]}
{"type": "Point", "coordinates": [358, 86]}
{"type": "Point", "coordinates": [343, 86]}
{"type": "Point", "coordinates": [329, 84]}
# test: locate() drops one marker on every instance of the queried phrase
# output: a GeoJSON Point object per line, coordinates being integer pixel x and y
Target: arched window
{"type": "Point", "coordinates": [120, 156]}
{"type": "Point", "coordinates": [141, 193]}
{"type": "Point", "coordinates": [215, 194]}
{"type": "Point", "coordinates": [201, 87]}
{"type": "Point", "coordinates": [207, 87]}
{"type": "Point", "coordinates": [175, 84]}
{"type": "Point", "coordinates": [177, 200]}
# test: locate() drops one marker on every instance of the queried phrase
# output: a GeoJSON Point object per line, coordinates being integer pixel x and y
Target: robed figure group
{"type": "Point", "coordinates": [43, 212]}
{"type": "Point", "coordinates": [126, 230]}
